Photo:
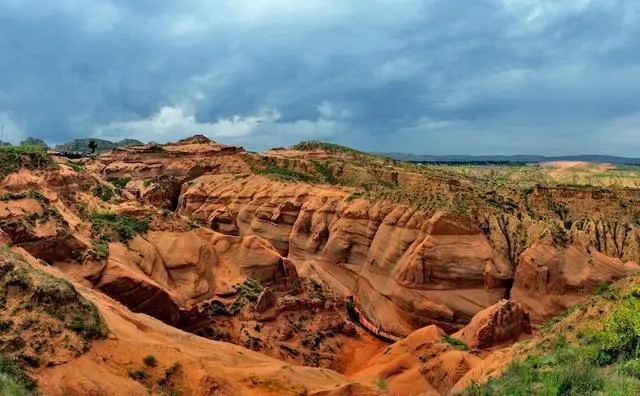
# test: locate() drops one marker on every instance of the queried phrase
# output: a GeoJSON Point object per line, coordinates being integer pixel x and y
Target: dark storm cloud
{"type": "Point", "coordinates": [510, 76]}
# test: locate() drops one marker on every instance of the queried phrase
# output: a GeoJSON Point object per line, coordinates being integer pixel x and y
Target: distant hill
{"type": "Point", "coordinates": [31, 141]}
{"type": "Point", "coordinates": [511, 158]}
{"type": "Point", "coordinates": [4, 143]}
{"type": "Point", "coordinates": [82, 145]}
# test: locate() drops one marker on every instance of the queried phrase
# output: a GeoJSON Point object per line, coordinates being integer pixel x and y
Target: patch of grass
{"type": "Point", "coordinates": [456, 343]}
{"type": "Point", "coordinates": [13, 158]}
{"type": "Point", "coordinates": [556, 319]}
{"type": "Point", "coordinates": [105, 192]}
{"type": "Point", "coordinates": [110, 226]}
{"type": "Point", "coordinates": [10, 387]}
{"type": "Point", "coordinates": [632, 368]}
{"type": "Point", "coordinates": [12, 196]}
{"type": "Point", "coordinates": [14, 379]}
{"type": "Point", "coordinates": [99, 249]}
{"type": "Point", "coordinates": [173, 369]}
{"type": "Point", "coordinates": [382, 383]}
{"type": "Point", "coordinates": [55, 297]}
{"type": "Point", "coordinates": [323, 169]}
{"type": "Point", "coordinates": [77, 167]}
{"type": "Point", "coordinates": [120, 182]}
{"type": "Point", "coordinates": [283, 173]}
{"type": "Point", "coordinates": [89, 324]}
{"type": "Point", "coordinates": [601, 289]}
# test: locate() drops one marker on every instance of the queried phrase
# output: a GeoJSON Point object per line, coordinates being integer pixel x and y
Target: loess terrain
{"type": "Point", "coordinates": [198, 268]}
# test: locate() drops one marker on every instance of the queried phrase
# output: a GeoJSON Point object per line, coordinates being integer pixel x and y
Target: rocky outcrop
{"type": "Point", "coordinates": [185, 160]}
{"type": "Point", "coordinates": [503, 322]}
{"type": "Point", "coordinates": [550, 278]}
{"type": "Point", "coordinates": [165, 273]}
{"type": "Point", "coordinates": [448, 368]}
{"type": "Point", "coordinates": [425, 361]}
{"type": "Point", "coordinates": [161, 192]}
{"type": "Point", "coordinates": [28, 220]}
{"type": "Point", "coordinates": [407, 267]}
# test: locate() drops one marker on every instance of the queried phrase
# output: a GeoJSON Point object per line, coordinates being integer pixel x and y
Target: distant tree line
{"type": "Point", "coordinates": [500, 162]}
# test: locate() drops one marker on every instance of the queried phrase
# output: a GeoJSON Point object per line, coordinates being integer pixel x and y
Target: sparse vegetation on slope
{"type": "Point", "coordinates": [593, 349]}
{"type": "Point", "coordinates": [323, 169]}
{"type": "Point", "coordinates": [248, 292]}
{"type": "Point", "coordinates": [12, 158]}
{"type": "Point", "coordinates": [111, 226]}
{"type": "Point", "coordinates": [283, 173]}
{"type": "Point", "coordinates": [311, 145]}
{"type": "Point", "coordinates": [14, 380]}
{"type": "Point", "coordinates": [42, 317]}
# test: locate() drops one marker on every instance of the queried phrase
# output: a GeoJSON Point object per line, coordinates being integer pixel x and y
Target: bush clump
{"type": "Point", "coordinates": [248, 292]}
{"type": "Point", "coordinates": [111, 226]}
{"type": "Point", "coordinates": [150, 361]}
{"type": "Point", "coordinates": [14, 379]}
{"type": "Point", "coordinates": [99, 249]}
{"type": "Point", "coordinates": [120, 182]}
{"type": "Point", "coordinates": [456, 343]}
{"type": "Point", "coordinates": [105, 192]}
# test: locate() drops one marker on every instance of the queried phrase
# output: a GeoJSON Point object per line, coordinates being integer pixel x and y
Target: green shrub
{"type": "Point", "coordinates": [350, 306]}
{"type": "Point", "coordinates": [632, 368]}
{"type": "Point", "coordinates": [620, 335]}
{"type": "Point", "coordinates": [382, 383]}
{"type": "Point", "coordinates": [601, 289]}
{"type": "Point", "coordinates": [89, 324]}
{"type": "Point", "coordinates": [248, 291]}
{"type": "Point", "coordinates": [150, 361]}
{"type": "Point", "coordinates": [11, 387]}
{"type": "Point", "coordinates": [120, 182]}
{"type": "Point", "coordinates": [14, 377]}
{"type": "Point", "coordinates": [137, 374]}
{"type": "Point", "coordinates": [99, 249]}
{"type": "Point", "coordinates": [167, 381]}
{"type": "Point", "coordinates": [456, 343]}
{"type": "Point", "coordinates": [109, 226]}
{"type": "Point", "coordinates": [104, 192]}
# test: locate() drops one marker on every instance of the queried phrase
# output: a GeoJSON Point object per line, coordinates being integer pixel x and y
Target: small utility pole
{"type": "Point", "coordinates": [2, 132]}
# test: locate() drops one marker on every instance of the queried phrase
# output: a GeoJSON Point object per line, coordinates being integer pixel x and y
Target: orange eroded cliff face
{"type": "Point", "coordinates": [551, 278]}
{"type": "Point", "coordinates": [408, 268]}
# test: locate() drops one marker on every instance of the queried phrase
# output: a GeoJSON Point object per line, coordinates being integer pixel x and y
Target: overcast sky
{"type": "Point", "coordinates": [431, 77]}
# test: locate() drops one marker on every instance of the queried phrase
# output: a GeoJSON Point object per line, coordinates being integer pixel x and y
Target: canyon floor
{"type": "Point", "coordinates": [198, 268]}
